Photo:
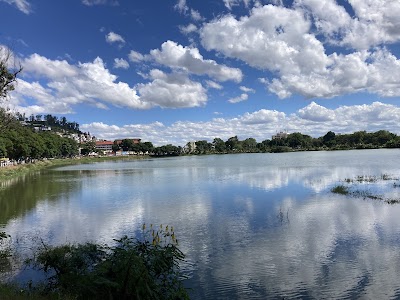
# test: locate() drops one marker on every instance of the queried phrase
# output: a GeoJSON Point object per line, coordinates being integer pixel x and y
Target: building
{"type": "Point", "coordinates": [190, 147]}
{"type": "Point", "coordinates": [280, 135]}
{"type": "Point", "coordinates": [105, 146]}
{"type": "Point", "coordinates": [135, 141]}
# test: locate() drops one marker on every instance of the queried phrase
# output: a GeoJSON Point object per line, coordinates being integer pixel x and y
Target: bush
{"type": "Point", "coordinates": [132, 269]}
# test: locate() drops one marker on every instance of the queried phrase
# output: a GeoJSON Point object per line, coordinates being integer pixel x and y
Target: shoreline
{"type": "Point", "coordinates": [10, 172]}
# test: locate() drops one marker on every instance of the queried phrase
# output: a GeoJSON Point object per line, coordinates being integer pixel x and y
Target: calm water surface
{"type": "Point", "coordinates": [252, 225]}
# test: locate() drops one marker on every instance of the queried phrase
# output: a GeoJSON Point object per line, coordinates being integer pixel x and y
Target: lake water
{"type": "Point", "coordinates": [253, 226]}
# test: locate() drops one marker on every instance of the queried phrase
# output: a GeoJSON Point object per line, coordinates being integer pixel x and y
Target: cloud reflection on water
{"type": "Point", "coordinates": [249, 228]}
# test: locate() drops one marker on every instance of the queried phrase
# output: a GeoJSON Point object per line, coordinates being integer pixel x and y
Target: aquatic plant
{"type": "Point", "coordinates": [133, 268]}
{"type": "Point", "coordinates": [340, 189]}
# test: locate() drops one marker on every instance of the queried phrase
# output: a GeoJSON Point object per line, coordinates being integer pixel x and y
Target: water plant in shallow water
{"type": "Point", "coordinates": [134, 268]}
{"type": "Point", "coordinates": [340, 189]}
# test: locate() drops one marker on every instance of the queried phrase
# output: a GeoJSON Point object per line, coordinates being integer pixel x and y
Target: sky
{"type": "Point", "coordinates": [174, 71]}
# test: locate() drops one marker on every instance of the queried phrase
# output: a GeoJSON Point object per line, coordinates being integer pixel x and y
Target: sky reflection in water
{"type": "Point", "coordinates": [252, 226]}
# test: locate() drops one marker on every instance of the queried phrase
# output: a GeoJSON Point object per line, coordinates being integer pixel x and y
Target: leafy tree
{"type": "Point", "coordinates": [126, 145]}
{"type": "Point", "coordinates": [88, 147]}
{"type": "Point", "coordinates": [8, 75]}
{"type": "Point", "coordinates": [249, 145]}
{"type": "Point", "coordinates": [219, 145]}
{"type": "Point", "coordinates": [202, 147]}
{"type": "Point", "coordinates": [233, 144]}
{"type": "Point", "coordinates": [329, 138]}
{"type": "Point", "coordinates": [147, 147]}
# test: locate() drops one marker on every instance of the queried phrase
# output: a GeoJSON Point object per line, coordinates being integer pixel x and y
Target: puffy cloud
{"type": "Point", "coordinates": [263, 116]}
{"type": "Point", "coordinates": [281, 40]}
{"type": "Point", "coordinates": [22, 5]}
{"type": "Point", "coordinates": [317, 113]}
{"type": "Point", "coordinates": [92, 82]}
{"type": "Point", "coordinates": [68, 85]}
{"type": "Point", "coordinates": [113, 37]}
{"type": "Point", "coordinates": [242, 97]}
{"type": "Point", "coordinates": [272, 38]}
{"type": "Point", "coordinates": [172, 90]}
{"type": "Point", "coordinates": [375, 72]}
{"type": "Point", "coordinates": [313, 119]}
{"type": "Point", "coordinates": [120, 63]}
{"type": "Point", "coordinates": [374, 22]}
{"type": "Point", "coordinates": [189, 59]}
{"type": "Point", "coordinates": [55, 69]}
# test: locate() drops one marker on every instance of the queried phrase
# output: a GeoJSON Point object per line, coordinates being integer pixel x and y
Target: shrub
{"type": "Point", "coordinates": [131, 269]}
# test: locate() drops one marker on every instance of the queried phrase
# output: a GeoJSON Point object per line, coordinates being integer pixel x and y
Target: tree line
{"type": "Point", "coordinates": [297, 142]}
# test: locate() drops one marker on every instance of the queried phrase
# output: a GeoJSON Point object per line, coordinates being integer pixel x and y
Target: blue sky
{"type": "Point", "coordinates": [180, 70]}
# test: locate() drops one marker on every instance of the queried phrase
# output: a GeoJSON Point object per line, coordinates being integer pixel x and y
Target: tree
{"type": "Point", "coordinates": [88, 147]}
{"type": "Point", "coordinates": [233, 144]}
{"type": "Point", "coordinates": [8, 74]}
{"type": "Point", "coordinates": [219, 145]}
{"type": "Point", "coordinates": [329, 138]}
{"type": "Point", "coordinates": [249, 145]}
{"type": "Point", "coordinates": [203, 147]}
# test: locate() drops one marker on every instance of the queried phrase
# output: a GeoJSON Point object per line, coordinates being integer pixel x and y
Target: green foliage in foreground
{"type": "Point", "coordinates": [131, 269]}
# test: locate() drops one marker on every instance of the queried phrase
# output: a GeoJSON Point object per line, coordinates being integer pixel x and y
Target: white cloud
{"type": "Point", "coordinates": [242, 97]}
{"type": "Point", "coordinates": [100, 2]}
{"type": "Point", "coordinates": [174, 90]}
{"type": "Point", "coordinates": [68, 85]}
{"type": "Point", "coordinates": [271, 38]}
{"type": "Point", "coordinates": [375, 72]}
{"type": "Point", "coordinates": [263, 116]}
{"type": "Point", "coordinates": [188, 29]}
{"type": "Point", "coordinates": [189, 59]}
{"type": "Point", "coordinates": [317, 113]}
{"type": "Point", "coordinates": [23, 5]}
{"type": "Point", "coordinates": [280, 40]}
{"type": "Point", "coordinates": [181, 6]}
{"type": "Point", "coordinates": [91, 82]}
{"type": "Point", "coordinates": [213, 85]}
{"type": "Point", "coordinates": [136, 56]}
{"type": "Point", "coordinates": [120, 63]}
{"type": "Point", "coordinates": [195, 15]}
{"type": "Point", "coordinates": [56, 69]}
{"type": "Point", "coordinates": [113, 37]}
{"type": "Point", "coordinates": [375, 22]}
{"type": "Point", "coordinates": [314, 120]}
{"type": "Point", "coordinates": [246, 89]}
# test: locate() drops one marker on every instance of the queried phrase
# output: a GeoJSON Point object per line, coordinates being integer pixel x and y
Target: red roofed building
{"type": "Point", "coordinates": [105, 146]}
{"type": "Point", "coordinates": [135, 141]}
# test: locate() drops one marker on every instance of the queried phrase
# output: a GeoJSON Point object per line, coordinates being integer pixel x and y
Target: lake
{"type": "Point", "coordinates": [252, 226]}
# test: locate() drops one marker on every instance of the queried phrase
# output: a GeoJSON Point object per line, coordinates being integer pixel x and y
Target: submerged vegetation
{"type": "Point", "coordinates": [351, 190]}
{"type": "Point", "coordinates": [145, 268]}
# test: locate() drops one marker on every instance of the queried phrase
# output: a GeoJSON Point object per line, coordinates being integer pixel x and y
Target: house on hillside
{"type": "Point", "coordinates": [105, 146]}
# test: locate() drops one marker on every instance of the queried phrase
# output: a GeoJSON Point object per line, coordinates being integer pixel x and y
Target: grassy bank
{"type": "Point", "coordinates": [14, 171]}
